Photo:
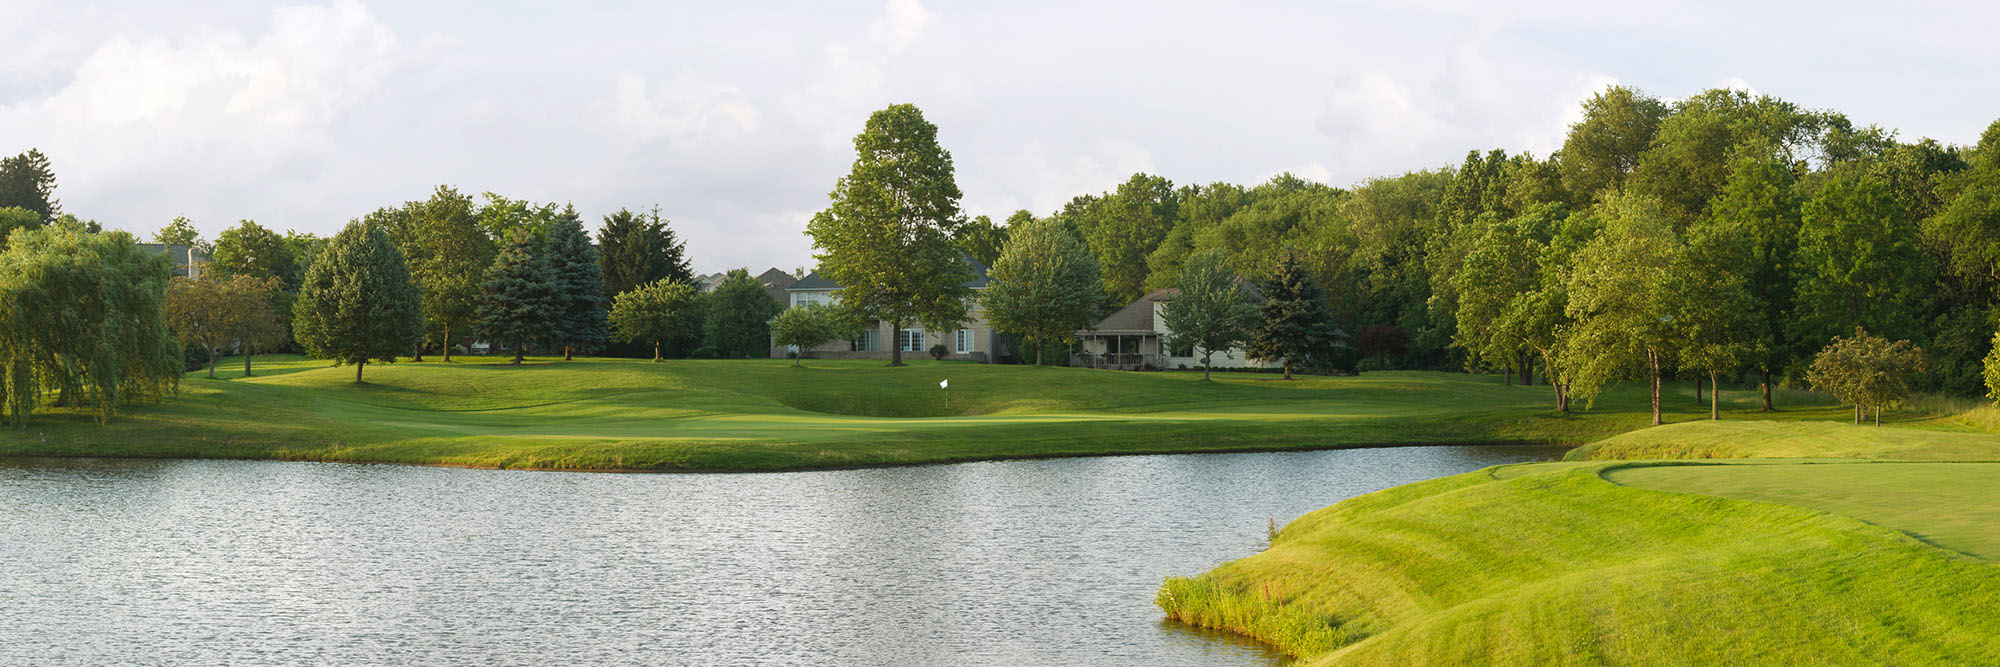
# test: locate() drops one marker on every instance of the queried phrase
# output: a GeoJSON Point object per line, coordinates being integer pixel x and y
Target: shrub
{"type": "Point", "coordinates": [703, 352]}
{"type": "Point", "coordinates": [939, 352]}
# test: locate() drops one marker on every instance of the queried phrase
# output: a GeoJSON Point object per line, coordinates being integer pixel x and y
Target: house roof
{"type": "Point", "coordinates": [1137, 317]}
{"type": "Point", "coordinates": [775, 282]}
{"type": "Point", "coordinates": [815, 281]}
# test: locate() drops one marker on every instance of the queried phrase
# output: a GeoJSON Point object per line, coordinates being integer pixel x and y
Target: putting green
{"type": "Point", "coordinates": [1955, 506]}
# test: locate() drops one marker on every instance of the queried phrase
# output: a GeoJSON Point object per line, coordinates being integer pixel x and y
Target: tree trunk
{"type": "Point", "coordinates": [211, 361]}
{"type": "Point", "coordinates": [518, 354]}
{"type": "Point", "coordinates": [656, 351]}
{"type": "Point", "coordinates": [1507, 375]}
{"type": "Point", "coordinates": [417, 350]}
{"type": "Point", "coordinates": [1528, 372]}
{"type": "Point", "coordinates": [1765, 386]}
{"type": "Point", "coordinates": [1878, 416]}
{"type": "Point", "coordinates": [1204, 364]}
{"type": "Point", "coordinates": [247, 352]}
{"type": "Point", "coordinates": [1714, 403]}
{"type": "Point", "coordinates": [1857, 413]}
{"type": "Point", "coordinates": [1653, 363]}
{"type": "Point", "coordinates": [566, 356]}
{"type": "Point", "coordinates": [446, 343]}
{"type": "Point", "coordinates": [1288, 369]}
{"type": "Point", "coordinates": [357, 371]}
{"type": "Point", "coordinates": [895, 343]}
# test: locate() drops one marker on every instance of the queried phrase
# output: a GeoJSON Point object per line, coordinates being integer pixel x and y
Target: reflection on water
{"type": "Point", "coordinates": [1020, 562]}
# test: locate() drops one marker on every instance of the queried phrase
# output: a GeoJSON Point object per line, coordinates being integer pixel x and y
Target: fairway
{"type": "Point", "coordinates": [1950, 505]}
{"type": "Point", "coordinates": [761, 414]}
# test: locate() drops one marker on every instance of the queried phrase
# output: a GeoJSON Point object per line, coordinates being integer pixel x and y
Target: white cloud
{"type": "Point", "coordinates": [683, 107]}
{"type": "Point", "coordinates": [901, 25]}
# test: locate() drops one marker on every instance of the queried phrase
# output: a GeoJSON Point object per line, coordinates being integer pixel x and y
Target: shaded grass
{"type": "Point", "coordinates": [1939, 439]}
{"type": "Point", "coordinates": [616, 414]}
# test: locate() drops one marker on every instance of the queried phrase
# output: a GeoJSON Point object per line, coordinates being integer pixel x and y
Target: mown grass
{"type": "Point", "coordinates": [1802, 559]}
{"type": "Point", "coordinates": [616, 414]}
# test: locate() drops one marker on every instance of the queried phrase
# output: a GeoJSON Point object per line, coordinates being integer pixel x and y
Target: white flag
{"type": "Point", "coordinates": [944, 384]}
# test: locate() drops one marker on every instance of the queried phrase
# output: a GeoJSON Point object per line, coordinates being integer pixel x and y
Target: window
{"type": "Point", "coordinates": [803, 298]}
{"type": "Point", "coordinates": [965, 341]}
{"type": "Point", "coordinates": [1179, 349]}
{"type": "Point", "coordinates": [864, 342]}
{"type": "Point", "coordinates": [911, 340]}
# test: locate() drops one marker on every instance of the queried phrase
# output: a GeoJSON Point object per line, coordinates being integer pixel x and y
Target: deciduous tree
{"type": "Point", "coordinates": [81, 313]}
{"type": "Point", "coordinates": [811, 325]}
{"type": "Point", "coordinates": [739, 313]}
{"type": "Point", "coordinates": [357, 303]}
{"type": "Point", "coordinates": [1210, 311]}
{"type": "Point", "coordinates": [1045, 285]}
{"type": "Point", "coordinates": [1867, 371]}
{"type": "Point", "coordinates": [249, 249]}
{"type": "Point", "coordinates": [658, 312]}
{"type": "Point", "coordinates": [887, 237]}
{"type": "Point", "coordinates": [1619, 298]}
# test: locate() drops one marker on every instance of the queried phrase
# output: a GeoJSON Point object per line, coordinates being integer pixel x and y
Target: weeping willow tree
{"type": "Point", "coordinates": [81, 317]}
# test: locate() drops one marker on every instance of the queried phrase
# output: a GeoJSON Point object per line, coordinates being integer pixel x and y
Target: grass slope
{"type": "Point", "coordinates": [1758, 561]}
{"type": "Point", "coordinates": [614, 414]}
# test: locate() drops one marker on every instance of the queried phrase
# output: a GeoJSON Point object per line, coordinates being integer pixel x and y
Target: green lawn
{"type": "Point", "coordinates": [1951, 505]}
{"type": "Point", "coordinates": [1804, 558]}
{"type": "Point", "coordinates": [607, 414]}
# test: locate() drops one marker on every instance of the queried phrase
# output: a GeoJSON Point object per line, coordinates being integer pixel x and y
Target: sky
{"type": "Point", "coordinates": [736, 119]}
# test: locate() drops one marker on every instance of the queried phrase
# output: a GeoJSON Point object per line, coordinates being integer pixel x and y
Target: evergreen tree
{"type": "Point", "coordinates": [659, 312]}
{"type": "Point", "coordinates": [639, 249]}
{"type": "Point", "coordinates": [358, 303]}
{"type": "Point", "coordinates": [739, 315]}
{"type": "Point", "coordinates": [26, 181]}
{"type": "Point", "coordinates": [1295, 324]}
{"type": "Point", "coordinates": [887, 237]}
{"type": "Point", "coordinates": [518, 302]}
{"type": "Point", "coordinates": [579, 285]}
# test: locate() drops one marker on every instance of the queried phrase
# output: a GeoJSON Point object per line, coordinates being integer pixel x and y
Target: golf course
{"type": "Point", "coordinates": [1745, 542]}
{"type": "Point", "coordinates": [766, 414]}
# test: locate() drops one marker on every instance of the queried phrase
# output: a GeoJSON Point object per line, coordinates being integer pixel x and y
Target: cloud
{"type": "Point", "coordinates": [685, 106]}
{"type": "Point", "coordinates": [901, 25]}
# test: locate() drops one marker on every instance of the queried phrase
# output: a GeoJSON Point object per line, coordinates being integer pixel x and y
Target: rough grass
{"type": "Point", "coordinates": [1815, 543]}
{"type": "Point", "coordinates": [616, 414]}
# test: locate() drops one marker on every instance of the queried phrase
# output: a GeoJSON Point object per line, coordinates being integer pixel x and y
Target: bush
{"type": "Point", "coordinates": [939, 352]}
{"type": "Point", "coordinates": [703, 352]}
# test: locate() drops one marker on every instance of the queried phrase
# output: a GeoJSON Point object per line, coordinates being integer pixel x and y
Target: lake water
{"type": "Point", "coordinates": [1017, 562]}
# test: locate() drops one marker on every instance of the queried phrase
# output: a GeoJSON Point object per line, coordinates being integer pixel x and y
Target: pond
{"type": "Point", "coordinates": [1010, 562]}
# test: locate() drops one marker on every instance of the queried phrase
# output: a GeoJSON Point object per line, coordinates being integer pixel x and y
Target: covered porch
{"type": "Point", "coordinates": [1119, 350]}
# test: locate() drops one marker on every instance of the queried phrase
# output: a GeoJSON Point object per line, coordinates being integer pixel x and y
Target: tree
{"type": "Point", "coordinates": [579, 286]}
{"type": "Point", "coordinates": [15, 217]}
{"type": "Point", "coordinates": [248, 249]}
{"type": "Point", "coordinates": [1501, 268]}
{"type": "Point", "coordinates": [1126, 226]}
{"type": "Point", "coordinates": [1620, 301]}
{"type": "Point", "coordinates": [887, 237]}
{"type": "Point", "coordinates": [1867, 371]}
{"type": "Point", "coordinates": [983, 240]}
{"type": "Point", "coordinates": [657, 312]}
{"type": "Point", "coordinates": [518, 302]}
{"type": "Point", "coordinates": [1858, 262]}
{"type": "Point", "coordinates": [81, 314]}
{"type": "Point", "coordinates": [27, 181]}
{"type": "Point", "coordinates": [1045, 285]}
{"type": "Point", "coordinates": [638, 249]}
{"type": "Point", "coordinates": [1603, 147]}
{"type": "Point", "coordinates": [214, 311]}
{"type": "Point", "coordinates": [182, 232]}
{"type": "Point", "coordinates": [1294, 324]}
{"type": "Point", "coordinates": [357, 303]}
{"type": "Point", "coordinates": [739, 313]}
{"type": "Point", "coordinates": [449, 254]}
{"type": "Point", "coordinates": [1718, 323]}
{"type": "Point", "coordinates": [1209, 311]}
{"type": "Point", "coordinates": [808, 326]}
{"type": "Point", "coordinates": [1760, 206]}
{"type": "Point", "coordinates": [1691, 155]}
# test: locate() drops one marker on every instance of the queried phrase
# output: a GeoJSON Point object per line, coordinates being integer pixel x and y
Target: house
{"type": "Point", "coordinates": [775, 282]}
{"type": "Point", "coordinates": [1136, 337]}
{"type": "Point", "coordinates": [975, 340]}
{"type": "Point", "coordinates": [188, 262]}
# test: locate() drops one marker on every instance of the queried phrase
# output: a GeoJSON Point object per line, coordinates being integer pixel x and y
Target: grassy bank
{"type": "Point", "coordinates": [1819, 560]}
{"type": "Point", "coordinates": [614, 414]}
